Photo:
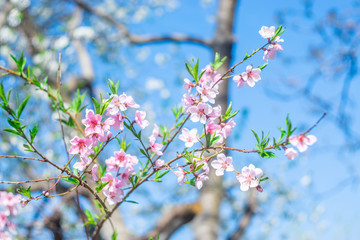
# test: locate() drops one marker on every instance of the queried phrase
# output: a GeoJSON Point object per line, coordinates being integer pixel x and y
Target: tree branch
{"type": "Point", "coordinates": [141, 39]}
{"type": "Point", "coordinates": [173, 220]}
{"type": "Point", "coordinates": [250, 209]}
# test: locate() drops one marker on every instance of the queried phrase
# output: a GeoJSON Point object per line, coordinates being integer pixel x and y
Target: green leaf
{"type": "Point", "coordinates": [114, 236]}
{"type": "Point", "coordinates": [96, 105]}
{"type": "Point", "coordinates": [33, 133]}
{"type": "Point", "coordinates": [101, 186]}
{"type": "Point", "coordinates": [256, 136]}
{"type": "Point", "coordinates": [130, 201]}
{"type": "Point", "coordinates": [25, 192]}
{"type": "Point", "coordinates": [22, 106]}
{"type": "Point", "coordinates": [228, 110]}
{"type": "Point", "coordinates": [14, 123]}
{"type": "Point", "coordinates": [267, 154]}
{"type": "Point", "coordinates": [2, 93]}
{"type": "Point", "coordinates": [13, 131]}
{"type": "Point", "coordinates": [160, 175]}
{"type": "Point", "coordinates": [189, 69]}
{"type": "Point", "coordinates": [263, 66]}
{"type": "Point", "coordinates": [71, 180]}
{"type": "Point", "coordinates": [14, 58]}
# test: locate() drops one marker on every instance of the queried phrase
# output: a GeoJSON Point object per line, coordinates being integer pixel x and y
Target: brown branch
{"type": "Point", "coordinates": [173, 220]}
{"type": "Point", "coordinates": [250, 210]}
{"type": "Point", "coordinates": [51, 95]}
{"type": "Point", "coordinates": [141, 39]}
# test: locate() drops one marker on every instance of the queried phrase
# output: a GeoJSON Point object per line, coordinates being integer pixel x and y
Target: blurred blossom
{"type": "Point", "coordinates": [161, 58]}
{"type": "Point", "coordinates": [21, 4]}
{"type": "Point", "coordinates": [154, 84]}
{"type": "Point", "coordinates": [14, 17]}
{"type": "Point", "coordinates": [40, 42]}
{"type": "Point", "coordinates": [143, 54]}
{"type": "Point", "coordinates": [84, 33]}
{"type": "Point", "coordinates": [305, 180]}
{"type": "Point", "coordinates": [61, 42]}
{"type": "Point", "coordinates": [7, 35]}
{"type": "Point", "coordinates": [141, 14]}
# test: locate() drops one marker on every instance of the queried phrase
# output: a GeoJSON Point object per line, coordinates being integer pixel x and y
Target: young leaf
{"type": "Point", "coordinates": [256, 136]}
{"type": "Point", "coordinates": [71, 180]}
{"type": "Point", "coordinates": [33, 133]}
{"type": "Point", "coordinates": [22, 106]}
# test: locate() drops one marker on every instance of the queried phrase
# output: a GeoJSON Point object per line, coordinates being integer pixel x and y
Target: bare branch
{"type": "Point", "coordinates": [141, 39]}
{"type": "Point", "coordinates": [173, 220]}
{"type": "Point", "coordinates": [250, 209]}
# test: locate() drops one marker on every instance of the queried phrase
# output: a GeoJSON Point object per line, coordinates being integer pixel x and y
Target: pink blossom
{"type": "Point", "coordinates": [3, 221]}
{"type": "Point", "coordinates": [156, 131]}
{"type": "Point", "coordinates": [210, 75]}
{"type": "Point", "coordinates": [200, 179]}
{"type": "Point", "coordinates": [105, 126]}
{"type": "Point", "coordinates": [271, 51]}
{"type": "Point", "coordinates": [112, 190]}
{"type": "Point", "coordinates": [200, 112]}
{"type": "Point", "coordinates": [140, 119]}
{"type": "Point", "coordinates": [81, 146]}
{"type": "Point", "coordinates": [121, 103]}
{"type": "Point", "coordinates": [302, 142]}
{"type": "Point", "coordinates": [10, 201]}
{"type": "Point", "coordinates": [207, 92]}
{"type": "Point", "coordinates": [121, 159]}
{"type": "Point", "coordinates": [189, 137]}
{"type": "Point", "coordinates": [249, 177]}
{"type": "Point", "coordinates": [5, 236]}
{"type": "Point", "coordinates": [216, 112]}
{"type": "Point", "coordinates": [222, 164]}
{"type": "Point", "coordinates": [92, 123]}
{"type": "Point", "coordinates": [81, 165]}
{"type": "Point", "coordinates": [267, 32]}
{"type": "Point", "coordinates": [115, 105]}
{"type": "Point", "coordinates": [251, 76]}
{"type": "Point", "coordinates": [159, 163]}
{"type": "Point", "coordinates": [239, 80]}
{"type": "Point", "coordinates": [155, 147]}
{"type": "Point", "coordinates": [96, 137]}
{"type": "Point", "coordinates": [124, 176]}
{"type": "Point", "coordinates": [117, 121]}
{"type": "Point", "coordinates": [180, 174]}
{"type": "Point", "coordinates": [94, 170]}
{"type": "Point", "coordinates": [291, 153]}
{"type": "Point", "coordinates": [188, 101]}
{"type": "Point", "coordinates": [227, 128]}
{"type": "Point", "coordinates": [128, 101]}
{"type": "Point", "coordinates": [200, 161]}
{"type": "Point", "coordinates": [188, 84]}
{"type": "Point", "coordinates": [212, 127]}
{"type": "Point", "coordinates": [23, 202]}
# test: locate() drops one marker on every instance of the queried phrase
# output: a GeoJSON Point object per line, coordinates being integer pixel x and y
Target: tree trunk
{"type": "Point", "coordinates": [206, 224]}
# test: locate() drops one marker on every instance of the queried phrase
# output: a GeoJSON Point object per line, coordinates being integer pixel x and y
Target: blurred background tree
{"type": "Point", "coordinates": [144, 44]}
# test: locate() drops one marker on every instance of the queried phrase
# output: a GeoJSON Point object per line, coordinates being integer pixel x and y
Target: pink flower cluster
{"type": "Point", "coordinates": [251, 76]}
{"type": "Point", "coordinates": [120, 166]}
{"type": "Point", "coordinates": [274, 46]}
{"type": "Point", "coordinates": [8, 208]}
{"type": "Point", "coordinates": [201, 174]}
{"type": "Point", "coordinates": [201, 110]}
{"type": "Point", "coordinates": [250, 178]}
{"type": "Point", "coordinates": [301, 142]}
